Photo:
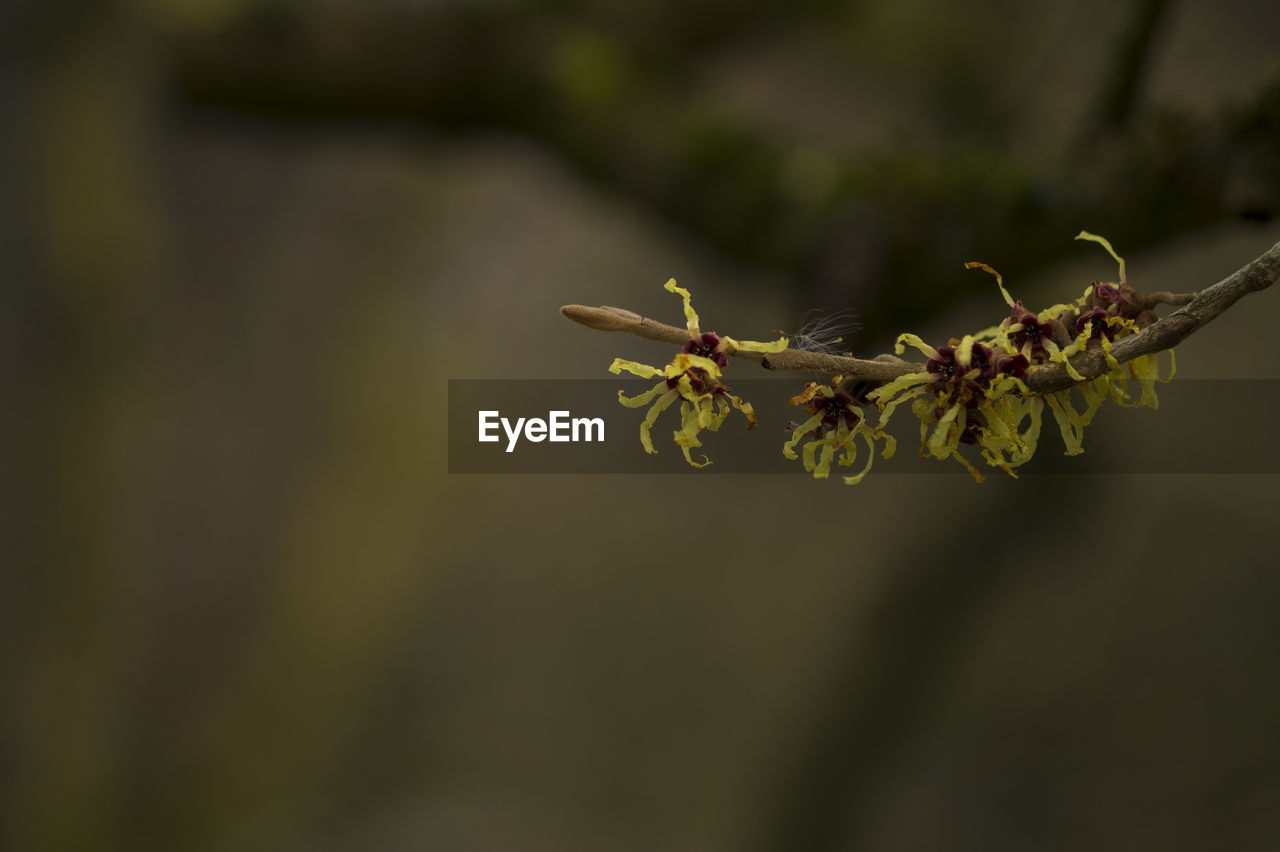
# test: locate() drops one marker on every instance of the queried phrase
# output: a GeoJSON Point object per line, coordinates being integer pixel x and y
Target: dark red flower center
{"type": "Point", "coordinates": [708, 347]}
{"type": "Point", "coordinates": [1100, 328]}
{"type": "Point", "coordinates": [1033, 333]}
{"type": "Point", "coordinates": [700, 381]}
{"type": "Point", "coordinates": [1107, 294]}
{"type": "Point", "coordinates": [836, 409]}
{"type": "Point", "coordinates": [1015, 365]}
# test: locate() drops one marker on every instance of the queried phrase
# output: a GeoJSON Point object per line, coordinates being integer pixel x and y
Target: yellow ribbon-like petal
{"type": "Point", "coordinates": [958, 456]}
{"type": "Point", "coordinates": [1146, 369]}
{"type": "Point", "coordinates": [871, 457]}
{"type": "Point", "coordinates": [890, 443]}
{"type": "Point", "coordinates": [687, 435]}
{"type": "Point", "coordinates": [1068, 421]}
{"type": "Point", "coordinates": [745, 408]}
{"type": "Point", "coordinates": [938, 440]}
{"type": "Point", "coordinates": [788, 449]}
{"type": "Point", "coordinates": [1063, 356]}
{"type": "Point", "coordinates": [756, 346]}
{"type": "Point", "coordinates": [909, 339]}
{"type": "Point", "coordinates": [685, 361]}
{"type": "Point", "coordinates": [642, 398]}
{"type": "Point", "coordinates": [897, 392]}
{"type": "Point", "coordinates": [810, 391]}
{"type": "Point", "coordinates": [973, 264]}
{"type": "Point", "coordinates": [1085, 235]}
{"type": "Point", "coordinates": [1029, 438]}
{"type": "Point", "coordinates": [1094, 396]}
{"type": "Point", "coordinates": [704, 409]}
{"type": "Point", "coordinates": [994, 332]}
{"type": "Point", "coordinates": [1112, 363]}
{"type": "Point", "coordinates": [823, 470]}
{"type": "Point", "coordinates": [690, 315]}
{"type": "Point", "coordinates": [847, 443]}
{"type": "Point", "coordinates": [660, 406]}
{"type": "Point", "coordinates": [644, 371]}
{"type": "Point", "coordinates": [1053, 311]}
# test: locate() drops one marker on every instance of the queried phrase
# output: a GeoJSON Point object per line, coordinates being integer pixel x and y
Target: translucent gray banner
{"type": "Point", "coordinates": [1214, 427]}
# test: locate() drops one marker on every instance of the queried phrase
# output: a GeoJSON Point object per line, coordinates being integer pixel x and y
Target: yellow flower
{"type": "Point", "coordinates": [967, 394]}
{"type": "Point", "coordinates": [693, 377]}
{"type": "Point", "coordinates": [835, 420]}
{"type": "Point", "coordinates": [1031, 335]}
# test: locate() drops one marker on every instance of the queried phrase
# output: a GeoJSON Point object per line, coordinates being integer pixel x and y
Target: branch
{"type": "Point", "coordinates": [884, 368]}
{"type": "Point", "coordinates": [1197, 311]}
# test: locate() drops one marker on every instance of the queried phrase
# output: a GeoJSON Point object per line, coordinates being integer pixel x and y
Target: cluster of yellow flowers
{"type": "Point", "coordinates": [971, 391]}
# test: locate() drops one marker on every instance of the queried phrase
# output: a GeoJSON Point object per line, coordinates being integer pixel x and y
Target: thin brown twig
{"type": "Point", "coordinates": [618, 319]}
{"type": "Point", "coordinates": [1197, 311]}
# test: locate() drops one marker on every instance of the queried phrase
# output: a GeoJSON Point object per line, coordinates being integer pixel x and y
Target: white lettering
{"type": "Point", "coordinates": [485, 425]}
{"type": "Point", "coordinates": [586, 423]}
{"type": "Point", "coordinates": [559, 426]}
{"type": "Point", "coordinates": [513, 435]}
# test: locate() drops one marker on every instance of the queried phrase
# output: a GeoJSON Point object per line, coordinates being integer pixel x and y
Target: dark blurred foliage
{"type": "Point", "coordinates": [243, 605]}
{"type": "Point", "coordinates": [622, 91]}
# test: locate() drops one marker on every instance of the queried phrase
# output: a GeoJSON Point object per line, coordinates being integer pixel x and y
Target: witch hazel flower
{"type": "Point", "coordinates": [692, 377]}
{"type": "Point", "coordinates": [835, 422]}
{"type": "Point", "coordinates": [1034, 338]}
{"type": "Point", "coordinates": [1033, 335]}
{"type": "Point", "coordinates": [969, 393]}
{"type": "Point", "coordinates": [1116, 310]}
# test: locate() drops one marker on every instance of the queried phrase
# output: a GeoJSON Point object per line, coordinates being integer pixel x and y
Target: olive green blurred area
{"type": "Point", "coordinates": [244, 605]}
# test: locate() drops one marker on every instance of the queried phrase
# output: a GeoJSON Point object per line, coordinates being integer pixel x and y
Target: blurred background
{"type": "Point", "coordinates": [243, 606]}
